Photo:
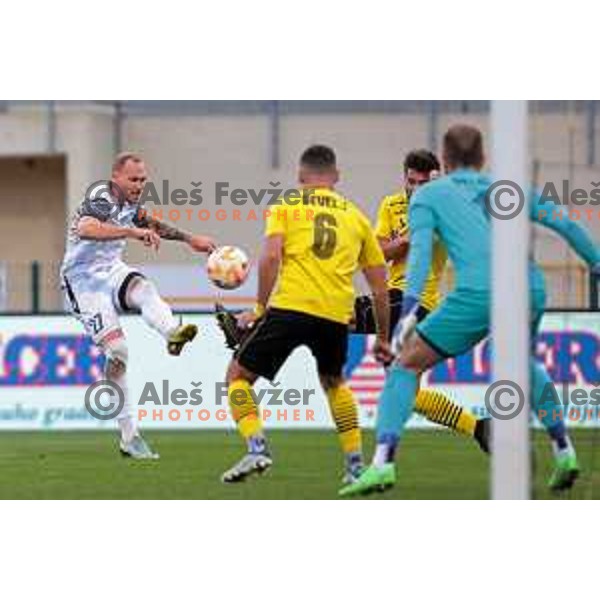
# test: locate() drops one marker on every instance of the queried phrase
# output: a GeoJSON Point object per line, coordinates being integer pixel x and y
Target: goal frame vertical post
{"type": "Point", "coordinates": [511, 476]}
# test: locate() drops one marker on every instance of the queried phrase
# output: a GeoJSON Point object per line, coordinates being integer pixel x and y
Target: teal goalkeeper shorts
{"type": "Point", "coordinates": [463, 319]}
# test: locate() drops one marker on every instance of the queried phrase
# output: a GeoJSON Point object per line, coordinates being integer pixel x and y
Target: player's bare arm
{"type": "Point", "coordinates": [268, 270]}
{"type": "Point", "coordinates": [270, 262]}
{"type": "Point", "coordinates": [90, 228]}
{"type": "Point", "coordinates": [377, 280]}
{"type": "Point", "coordinates": [395, 249]}
{"type": "Point", "coordinates": [198, 243]}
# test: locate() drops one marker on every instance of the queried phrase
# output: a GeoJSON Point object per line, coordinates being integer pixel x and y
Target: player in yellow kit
{"type": "Point", "coordinates": [312, 249]}
{"type": "Point", "coordinates": [420, 166]}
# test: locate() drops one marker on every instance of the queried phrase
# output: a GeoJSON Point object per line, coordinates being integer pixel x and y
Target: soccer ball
{"type": "Point", "coordinates": [228, 267]}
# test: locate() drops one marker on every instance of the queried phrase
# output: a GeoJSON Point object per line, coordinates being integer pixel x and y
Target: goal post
{"type": "Point", "coordinates": [510, 302]}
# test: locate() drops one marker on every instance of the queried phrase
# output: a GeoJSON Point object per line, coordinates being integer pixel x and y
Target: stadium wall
{"type": "Point", "coordinates": [243, 150]}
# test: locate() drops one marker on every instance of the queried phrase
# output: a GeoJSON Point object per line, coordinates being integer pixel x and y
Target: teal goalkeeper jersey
{"type": "Point", "coordinates": [453, 209]}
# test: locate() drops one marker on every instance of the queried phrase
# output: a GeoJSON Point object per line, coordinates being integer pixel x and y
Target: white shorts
{"type": "Point", "coordinates": [97, 299]}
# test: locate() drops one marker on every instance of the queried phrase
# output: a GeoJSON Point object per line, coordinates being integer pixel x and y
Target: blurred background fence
{"type": "Point", "coordinates": [51, 151]}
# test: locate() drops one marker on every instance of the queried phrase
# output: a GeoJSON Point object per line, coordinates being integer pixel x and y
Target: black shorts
{"type": "Point", "coordinates": [364, 317]}
{"type": "Point", "coordinates": [280, 332]}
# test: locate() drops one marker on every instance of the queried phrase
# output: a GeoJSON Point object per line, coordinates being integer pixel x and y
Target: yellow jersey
{"type": "Point", "coordinates": [326, 240]}
{"type": "Point", "coordinates": [392, 222]}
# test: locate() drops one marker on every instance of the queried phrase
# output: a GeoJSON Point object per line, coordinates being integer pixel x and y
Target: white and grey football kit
{"type": "Point", "coordinates": [95, 280]}
{"type": "Point", "coordinates": [93, 274]}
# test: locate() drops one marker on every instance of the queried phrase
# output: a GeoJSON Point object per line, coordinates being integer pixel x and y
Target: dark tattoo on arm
{"type": "Point", "coordinates": [167, 232]}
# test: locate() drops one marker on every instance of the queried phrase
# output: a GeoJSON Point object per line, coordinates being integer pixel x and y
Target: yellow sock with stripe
{"type": "Point", "coordinates": [345, 415]}
{"type": "Point", "coordinates": [245, 414]}
{"type": "Point", "coordinates": [438, 408]}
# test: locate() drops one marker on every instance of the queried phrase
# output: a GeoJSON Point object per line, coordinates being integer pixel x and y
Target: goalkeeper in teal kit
{"type": "Point", "coordinates": [453, 209]}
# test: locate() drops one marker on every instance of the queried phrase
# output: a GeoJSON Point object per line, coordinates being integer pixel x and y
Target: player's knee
{"type": "Point", "coordinates": [117, 356]}
{"type": "Point", "coordinates": [416, 355]}
{"type": "Point", "coordinates": [236, 371]}
{"type": "Point", "coordinates": [410, 357]}
{"type": "Point", "coordinates": [139, 290]}
{"type": "Point", "coordinates": [329, 382]}
{"type": "Point", "coordinates": [233, 372]}
{"type": "Point", "coordinates": [142, 284]}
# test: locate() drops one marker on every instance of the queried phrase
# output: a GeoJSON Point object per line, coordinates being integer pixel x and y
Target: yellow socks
{"type": "Point", "coordinates": [345, 415]}
{"type": "Point", "coordinates": [438, 408]}
{"type": "Point", "coordinates": [243, 409]}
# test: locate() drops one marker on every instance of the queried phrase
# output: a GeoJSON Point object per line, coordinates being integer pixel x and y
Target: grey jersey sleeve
{"type": "Point", "coordinates": [100, 208]}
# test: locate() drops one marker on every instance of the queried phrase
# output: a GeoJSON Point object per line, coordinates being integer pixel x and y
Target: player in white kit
{"type": "Point", "coordinates": [99, 285]}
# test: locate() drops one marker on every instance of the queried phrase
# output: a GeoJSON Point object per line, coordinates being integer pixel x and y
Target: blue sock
{"type": "Point", "coordinates": [558, 434]}
{"type": "Point", "coordinates": [257, 444]}
{"type": "Point", "coordinates": [396, 404]}
{"type": "Point", "coordinates": [546, 405]}
{"type": "Point", "coordinates": [354, 463]}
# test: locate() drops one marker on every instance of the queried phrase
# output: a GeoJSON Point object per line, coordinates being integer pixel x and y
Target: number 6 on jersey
{"type": "Point", "coordinates": [325, 236]}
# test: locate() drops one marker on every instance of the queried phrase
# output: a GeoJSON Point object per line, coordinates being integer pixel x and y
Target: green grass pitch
{"type": "Point", "coordinates": [431, 465]}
